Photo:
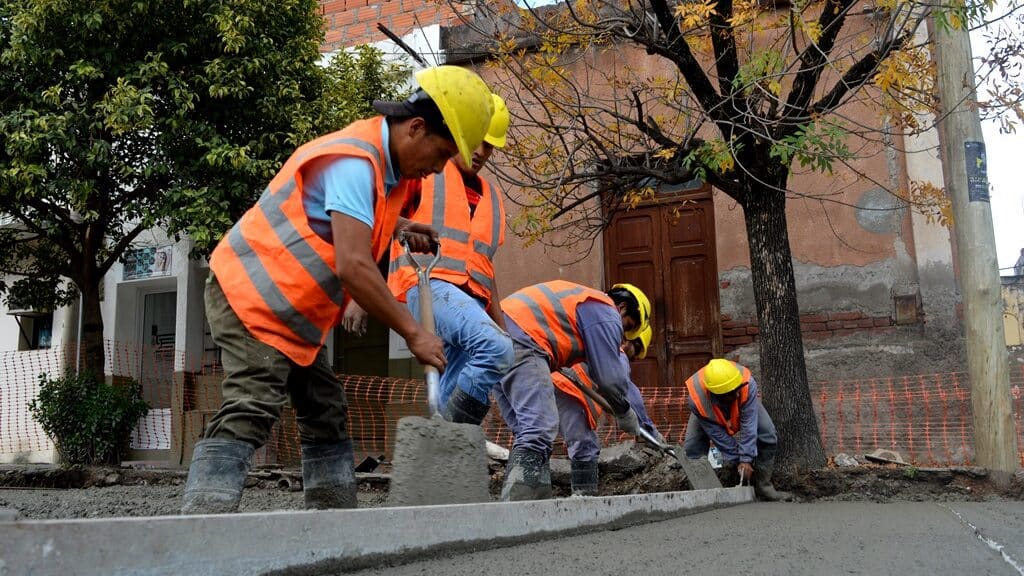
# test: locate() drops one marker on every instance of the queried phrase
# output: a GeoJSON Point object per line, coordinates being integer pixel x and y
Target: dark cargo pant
{"type": "Point", "coordinates": [258, 378]}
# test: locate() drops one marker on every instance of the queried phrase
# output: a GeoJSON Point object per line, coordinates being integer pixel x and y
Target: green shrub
{"type": "Point", "coordinates": [89, 421]}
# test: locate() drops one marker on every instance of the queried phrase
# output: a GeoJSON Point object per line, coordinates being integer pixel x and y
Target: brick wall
{"type": "Point", "coordinates": [353, 22]}
{"type": "Point", "coordinates": [818, 326]}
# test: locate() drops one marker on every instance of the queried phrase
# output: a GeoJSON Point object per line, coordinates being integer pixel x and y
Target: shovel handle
{"type": "Point", "coordinates": [600, 401]}
{"type": "Point", "coordinates": [432, 376]}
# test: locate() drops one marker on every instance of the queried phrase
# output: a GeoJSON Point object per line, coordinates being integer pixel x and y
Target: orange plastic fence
{"type": "Point", "coordinates": [925, 417]}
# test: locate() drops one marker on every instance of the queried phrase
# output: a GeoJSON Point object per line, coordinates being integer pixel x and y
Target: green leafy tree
{"type": "Point", "coordinates": [117, 116]}
{"type": "Point", "coordinates": [355, 79]}
{"type": "Point", "coordinates": [613, 98]}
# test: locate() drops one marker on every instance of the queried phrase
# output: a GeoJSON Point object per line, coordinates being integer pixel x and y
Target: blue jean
{"type": "Point", "coordinates": [526, 399]}
{"type": "Point", "coordinates": [479, 353]}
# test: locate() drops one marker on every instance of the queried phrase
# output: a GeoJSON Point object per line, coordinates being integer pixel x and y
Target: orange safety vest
{"type": "Point", "coordinates": [468, 243]}
{"type": "Point", "coordinates": [563, 381]}
{"type": "Point", "coordinates": [700, 400]}
{"type": "Point", "coordinates": [278, 275]}
{"type": "Point", "coordinates": [547, 313]}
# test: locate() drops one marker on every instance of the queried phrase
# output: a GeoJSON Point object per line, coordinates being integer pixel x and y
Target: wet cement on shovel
{"type": "Point", "coordinates": [438, 462]}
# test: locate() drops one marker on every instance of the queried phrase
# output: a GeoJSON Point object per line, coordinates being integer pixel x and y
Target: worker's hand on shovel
{"type": "Point", "coordinates": [628, 422]}
{"type": "Point", "coordinates": [422, 238]}
{"type": "Point", "coordinates": [746, 470]}
{"type": "Point", "coordinates": [354, 319]}
{"type": "Point", "coordinates": [427, 348]}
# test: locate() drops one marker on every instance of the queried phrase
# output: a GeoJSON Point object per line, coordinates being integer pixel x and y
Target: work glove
{"type": "Point", "coordinates": [628, 422]}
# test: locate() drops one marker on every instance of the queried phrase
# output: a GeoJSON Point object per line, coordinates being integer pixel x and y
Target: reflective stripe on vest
{"type": "Point", "coordinates": [708, 410]}
{"type": "Point", "coordinates": [276, 273]}
{"type": "Point", "coordinates": [466, 256]}
{"type": "Point", "coordinates": [578, 374]}
{"type": "Point", "coordinates": [532, 316]}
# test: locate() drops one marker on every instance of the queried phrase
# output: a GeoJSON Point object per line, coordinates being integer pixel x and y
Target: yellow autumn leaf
{"type": "Point", "coordinates": [665, 153]}
{"type": "Point", "coordinates": [813, 30]}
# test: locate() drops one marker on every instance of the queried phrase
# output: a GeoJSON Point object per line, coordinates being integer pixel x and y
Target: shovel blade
{"type": "Point", "coordinates": [699, 472]}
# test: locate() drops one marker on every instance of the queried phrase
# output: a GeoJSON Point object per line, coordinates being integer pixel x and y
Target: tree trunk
{"type": "Point", "coordinates": [783, 378]}
{"type": "Point", "coordinates": [91, 352]}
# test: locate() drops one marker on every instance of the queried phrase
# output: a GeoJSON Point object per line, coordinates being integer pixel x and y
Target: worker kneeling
{"type": "Point", "coordinates": [724, 408]}
{"type": "Point", "coordinates": [554, 325]}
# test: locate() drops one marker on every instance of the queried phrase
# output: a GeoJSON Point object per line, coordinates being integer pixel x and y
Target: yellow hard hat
{"type": "Point", "coordinates": [722, 376]}
{"type": "Point", "coordinates": [645, 342]}
{"type": "Point", "coordinates": [499, 123]}
{"type": "Point", "coordinates": [464, 101]}
{"type": "Point", "coordinates": [643, 305]}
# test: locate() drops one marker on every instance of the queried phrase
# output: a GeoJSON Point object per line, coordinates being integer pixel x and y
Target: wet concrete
{"type": "Point", "coordinates": [438, 462]}
{"type": "Point", "coordinates": [812, 539]}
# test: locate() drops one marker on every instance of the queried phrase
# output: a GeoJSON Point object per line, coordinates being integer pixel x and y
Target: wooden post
{"type": "Point", "coordinates": [964, 170]}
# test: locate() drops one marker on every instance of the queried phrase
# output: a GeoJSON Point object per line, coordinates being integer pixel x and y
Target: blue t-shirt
{"type": "Point", "coordinates": [343, 184]}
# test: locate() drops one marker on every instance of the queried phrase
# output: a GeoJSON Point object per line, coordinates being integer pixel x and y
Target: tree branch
{"type": "Point", "coordinates": [61, 240]}
{"type": "Point", "coordinates": [855, 77]}
{"type": "Point", "coordinates": [723, 41]}
{"type": "Point", "coordinates": [678, 51]}
{"type": "Point", "coordinates": [119, 249]}
{"type": "Point", "coordinates": [814, 56]}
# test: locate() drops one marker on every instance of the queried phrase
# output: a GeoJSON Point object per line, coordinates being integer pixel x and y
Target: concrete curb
{"type": "Point", "coordinates": [314, 542]}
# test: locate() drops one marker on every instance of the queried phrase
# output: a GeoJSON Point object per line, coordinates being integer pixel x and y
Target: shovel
{"type": "Point", "coordinates": [431, 375]}
{"type": "Point", "coordinates": [641, 431]}
{"type": "Point", "coordinates": [436, 461]}
{"type": "Point", "coordinates": [698, 472]}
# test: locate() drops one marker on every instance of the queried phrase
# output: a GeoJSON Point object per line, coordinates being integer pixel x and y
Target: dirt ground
{"type": "Point", "coordinates": [46, 493]}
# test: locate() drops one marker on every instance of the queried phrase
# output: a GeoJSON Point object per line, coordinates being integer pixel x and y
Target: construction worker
{"type": "Point", "coordinates": [281, 278]}
{"type": "Point", "coordinates": [554, 325]}
{"type": "Point", "coordinates": [469, 216]}
{"type": "Point", "coordinates": [724, 408]}
{"type": "Point", "coordinates": [578, 416]}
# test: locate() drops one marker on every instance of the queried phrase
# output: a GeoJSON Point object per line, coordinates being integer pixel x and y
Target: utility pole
{"type": "Point", "coordinates": [964, 170]}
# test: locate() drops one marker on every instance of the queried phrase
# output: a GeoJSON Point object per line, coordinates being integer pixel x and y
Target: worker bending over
{"type": "Point", "coordinates": [469, 216]}
{"type": "Point", "coordinates": [555, 325]}
{"type": "Point", "coordinates": [724, 408]}
{"type": "Point", "coordinates": [578, 416]}
{"type": "Point", "coordinates": [283, 275]}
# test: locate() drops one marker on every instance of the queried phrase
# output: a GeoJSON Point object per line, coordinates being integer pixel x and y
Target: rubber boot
{"type": "Point", "coordinates": [763, 486]}
{"type": "Point", "coordinates": [527, 476]}
{"type": "Point", "coordinates": [584, 477]}
{"type": "Point", "coordinates": [462, 408]}
{"type": "Point", "coordinates": [328, 476]}
{"type": "Point", "coordinates": [216, 476]}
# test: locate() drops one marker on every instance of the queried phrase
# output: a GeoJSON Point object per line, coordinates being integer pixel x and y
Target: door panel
{"type": "Point", "coordinates": [668, 250]}
{"type": "Point", "coordinates": [159, 311]}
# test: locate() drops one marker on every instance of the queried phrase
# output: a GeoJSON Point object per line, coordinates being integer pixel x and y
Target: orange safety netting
{"type": "Point", "coordinates": [927, 418]}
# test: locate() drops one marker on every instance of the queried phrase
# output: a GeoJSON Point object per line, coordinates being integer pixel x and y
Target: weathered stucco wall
{"type": "Point", "coordinates": [1013, 309]}
{"type": "Point", "coordinates": [863, 263]}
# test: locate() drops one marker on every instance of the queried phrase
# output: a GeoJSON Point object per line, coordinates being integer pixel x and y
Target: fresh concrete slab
{"type": "Point", "coordinates": [319, 542]}
{"type": "Point", "coordinates": [816, 539]}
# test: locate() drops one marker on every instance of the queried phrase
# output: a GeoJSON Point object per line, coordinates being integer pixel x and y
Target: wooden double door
{"type": "Point", "coordinates": [667, 249]}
